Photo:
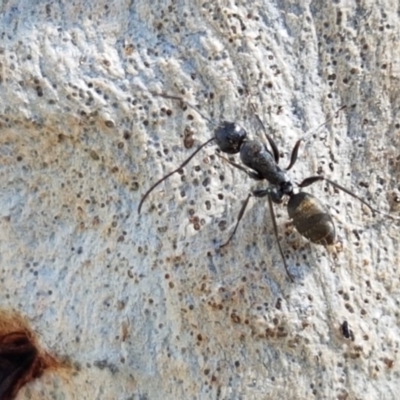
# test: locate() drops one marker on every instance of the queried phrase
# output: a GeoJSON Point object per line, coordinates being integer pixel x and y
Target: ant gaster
{"type": "Point", "coordinates": [309, 216]}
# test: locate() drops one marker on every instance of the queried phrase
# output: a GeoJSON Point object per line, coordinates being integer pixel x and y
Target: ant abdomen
{"type": "Point", "coordinates": [311, 218]}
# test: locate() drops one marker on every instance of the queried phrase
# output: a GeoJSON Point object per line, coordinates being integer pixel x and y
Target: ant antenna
{"type": "Point", "coordinates": [171, 173]}
{"type": "Point", "coordinates": [314, 131]}
{"type": "Point", "coordinates": [229, 137]}
{"type": "Point", "coordinates": [168, 96]}
{"type": "Point", "coordinates": [271, 142]}
{"type": "Point", "coordinates": [297, 145]}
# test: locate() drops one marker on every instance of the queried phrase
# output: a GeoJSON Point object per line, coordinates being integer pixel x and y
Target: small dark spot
{"type": "Point", "coordinates": [94, 155]}
{"type": "Point", "coordinates": [39, 91]}
{"type": "Point", "coordinates": [109, 123]}
{"type": "Point", "coordinates": [278, 304]}
{"type": "Point", "coordinates": [349, 307]}
{"type": "Point", "coordinates": [222, 225]}
{"type": "Point", "coordinates": [389, 363]}
{"type": "Point", "coordinates": [188, 140]}
{"type": "Point", "coordinates": [135, 186]}
{"type": "Point", "coordinates": [206, 181]}
{"type": "Point", "coordinates": [235, 318]}
{"type": "Point", "coordinates": [346, 331]}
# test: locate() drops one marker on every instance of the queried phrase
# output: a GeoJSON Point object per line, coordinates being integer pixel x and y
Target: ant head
{"type": "Point", "coordinates": [229, 137]}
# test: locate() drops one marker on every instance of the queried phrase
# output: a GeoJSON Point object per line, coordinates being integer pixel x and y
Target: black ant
{"type": "Point", "coordinates": [309, 216]}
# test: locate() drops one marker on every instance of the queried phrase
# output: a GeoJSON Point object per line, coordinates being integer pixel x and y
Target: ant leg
{"type": "Point", "coordinates": [312, 179]}
{"type": "Point", "coordinates": [294, 155]}
{"type": "Point", "coordinates": [271, 142]}
{"type": "Point", "coordinates": [274, 197]}
{"type": "Point", "coordinates": [241, 212]}
{"type": "Point", "coordinates": [252, 174]}
{"type": "Point", "coordinates": [171, 173]}
{"type": "Point", "coordinates": [296, 147]}
{"type": "Point", "coordinates": [271, 210]}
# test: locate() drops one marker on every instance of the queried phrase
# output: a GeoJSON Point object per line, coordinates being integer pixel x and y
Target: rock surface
{"type": "Point", "coordinates": [147, 306]}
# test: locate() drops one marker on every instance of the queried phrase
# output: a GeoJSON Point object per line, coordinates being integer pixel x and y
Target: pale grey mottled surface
{"type": "Point", "coordinates": [147, 306]}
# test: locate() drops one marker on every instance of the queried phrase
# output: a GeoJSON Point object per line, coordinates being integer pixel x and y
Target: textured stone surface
{"type": "Point", "coordinates": [148, 307]}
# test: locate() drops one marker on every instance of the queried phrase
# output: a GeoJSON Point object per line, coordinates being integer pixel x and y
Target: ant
{"type": "Point", "coordinates": [309, 216]}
